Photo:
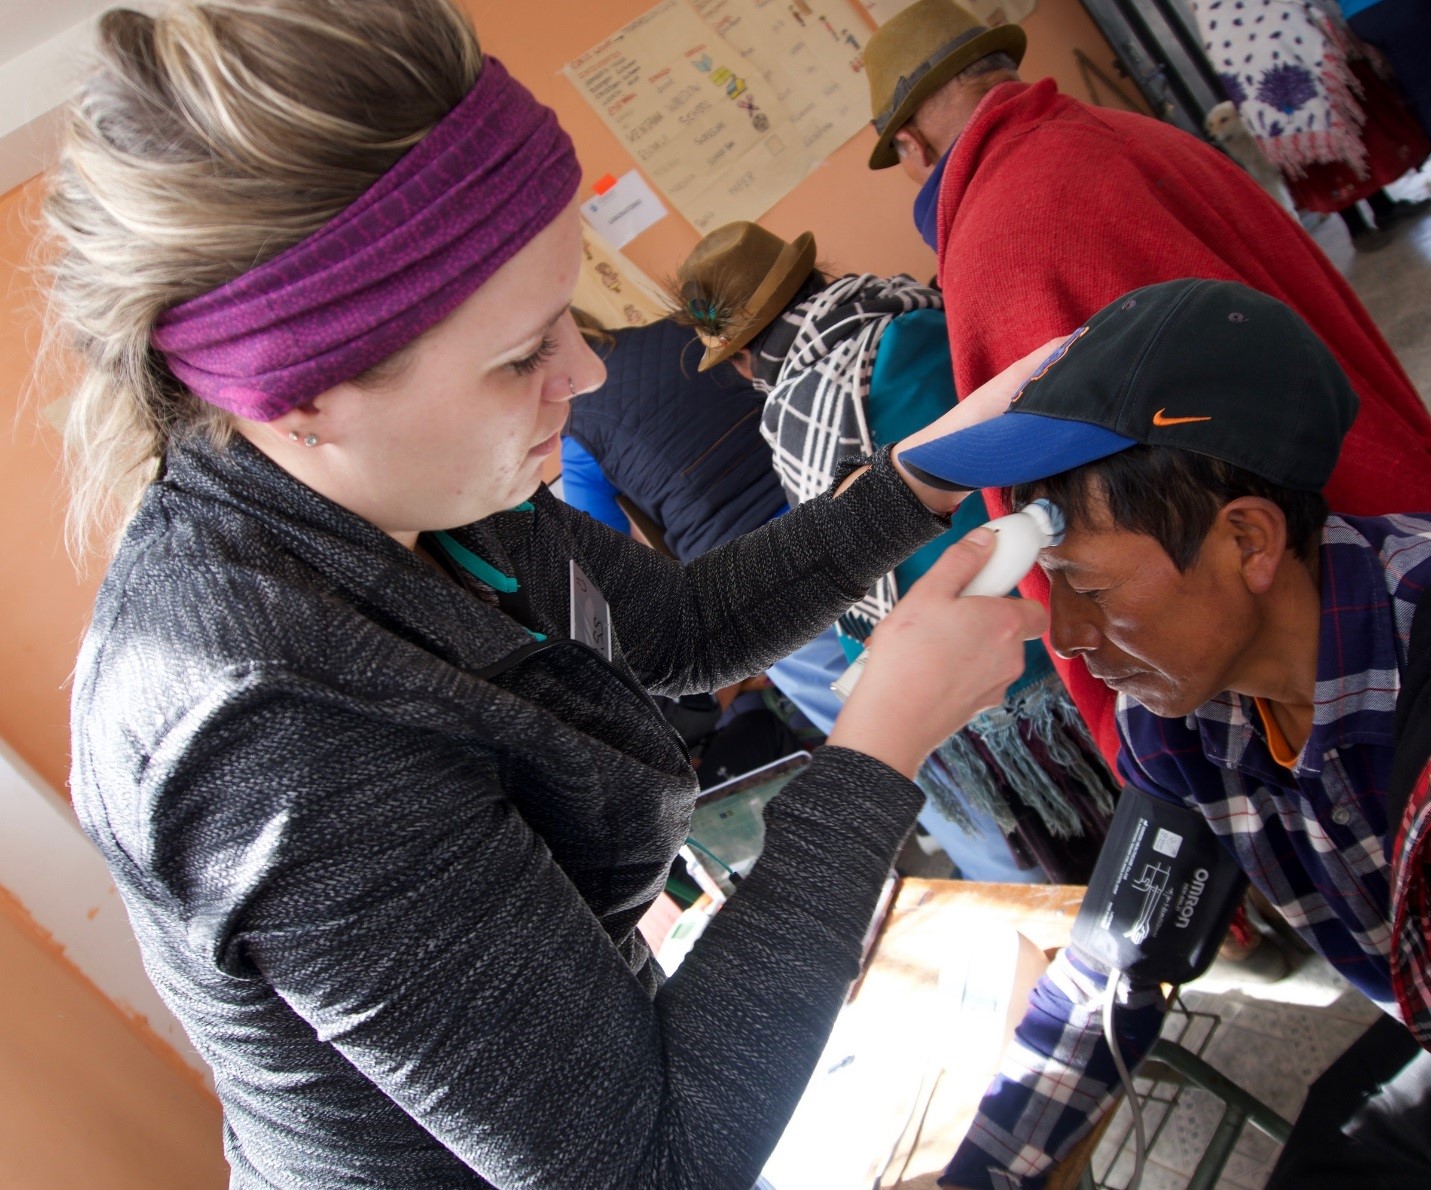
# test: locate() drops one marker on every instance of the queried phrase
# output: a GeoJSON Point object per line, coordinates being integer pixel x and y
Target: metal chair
{"type": "Point", "coordinates": [1171, 1067]}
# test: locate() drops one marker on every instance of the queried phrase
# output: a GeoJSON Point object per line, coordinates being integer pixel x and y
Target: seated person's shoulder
{"type": "Point", "coordinates": [1399, 539]}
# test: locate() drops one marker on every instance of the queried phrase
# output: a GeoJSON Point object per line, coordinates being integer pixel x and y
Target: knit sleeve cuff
{"type": "Point", "coordinates": [877, 522]}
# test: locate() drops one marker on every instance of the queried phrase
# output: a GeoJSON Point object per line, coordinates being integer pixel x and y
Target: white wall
{"type": "Point", "coordinates": [53, 870]}
{"type": "Point", "coordinates": [39, 70]}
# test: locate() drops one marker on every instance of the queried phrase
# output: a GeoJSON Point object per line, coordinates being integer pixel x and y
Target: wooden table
{"type": "Point", "coordinates": [927, 919]}
{"type": "Point", "coordinates": [1043, 913]}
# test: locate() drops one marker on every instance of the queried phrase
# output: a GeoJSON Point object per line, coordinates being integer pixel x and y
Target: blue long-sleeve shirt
{"type": "Point", "coordinates": [585, 486]}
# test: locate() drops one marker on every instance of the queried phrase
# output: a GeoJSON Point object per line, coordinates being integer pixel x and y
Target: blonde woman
{"type": "Point", "coordinates": [361, 722]}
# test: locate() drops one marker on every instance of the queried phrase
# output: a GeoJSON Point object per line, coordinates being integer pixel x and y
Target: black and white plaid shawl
{"type": "Point", "coordinates": [1029, 764]}
{"type": "Point", "coordinates": [815, 365]}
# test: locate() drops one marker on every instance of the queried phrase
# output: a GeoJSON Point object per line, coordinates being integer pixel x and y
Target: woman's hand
{"type": "Point", "coordinates": [986, 401]}
{"type": "Point", "coordinates": [936, 661]}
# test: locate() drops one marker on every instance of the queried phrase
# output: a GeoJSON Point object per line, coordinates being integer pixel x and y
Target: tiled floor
{"type": "Point", "coordinates": [1394, 283]}
{"type": "Point", "coordinates": [1274, 1040]}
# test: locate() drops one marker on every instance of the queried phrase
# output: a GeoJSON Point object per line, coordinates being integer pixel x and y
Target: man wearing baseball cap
{"type": "Point", "coordinates": [1042, 209]}
{"type": "Point", "coordinates": [1255, 644]}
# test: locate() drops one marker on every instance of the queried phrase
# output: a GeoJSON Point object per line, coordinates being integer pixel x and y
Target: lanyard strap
{"type": "Point", "coordinates": [478, 568]}
{"type": "Point", "coordinates": [483, 571]}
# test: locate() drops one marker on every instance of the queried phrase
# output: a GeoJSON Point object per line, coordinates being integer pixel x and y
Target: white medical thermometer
{"type": "Point", "coordinates": [1018, 538]}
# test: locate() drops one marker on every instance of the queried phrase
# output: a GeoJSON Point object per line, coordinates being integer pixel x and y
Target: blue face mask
{"type": "Point", "coordinates": [926, 204]}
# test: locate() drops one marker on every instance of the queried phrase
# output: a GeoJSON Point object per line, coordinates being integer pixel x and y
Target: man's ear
{"type": "Point", "coordinates": [912, 148]}
{"type": "Point", "coordinates": [1258, 528]}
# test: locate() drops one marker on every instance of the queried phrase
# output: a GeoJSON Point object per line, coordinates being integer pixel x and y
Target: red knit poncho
{"type": "Point", "coordinates": [1050, 209]}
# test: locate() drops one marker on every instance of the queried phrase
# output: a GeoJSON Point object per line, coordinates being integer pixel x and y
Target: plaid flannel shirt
{"type": "Point", "coordinates": [1314, 840]}
{"type": "Point", "coordinates": [1410, 804]}
{"type": "Point", "coordinates": [1411, 919]}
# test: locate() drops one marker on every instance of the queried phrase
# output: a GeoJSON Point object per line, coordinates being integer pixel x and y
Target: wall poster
{"type": "Point", "coordinates": [612, 289]}
{"type": "Point", "coordinates": [727, 104]}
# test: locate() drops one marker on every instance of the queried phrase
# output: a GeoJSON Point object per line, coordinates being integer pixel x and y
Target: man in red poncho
{"type": "Point", "coordinates": [1043, 209]}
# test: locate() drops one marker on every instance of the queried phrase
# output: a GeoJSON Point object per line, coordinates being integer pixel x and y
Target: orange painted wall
{"type": "Point", "coordinates": [83, 1100]}
{"type": "Point", "coordinates": [861, 218]}
{"type": "Point", "coordinates": [43, 602]}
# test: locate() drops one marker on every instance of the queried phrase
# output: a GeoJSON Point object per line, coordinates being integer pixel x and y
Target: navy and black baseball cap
{"type": "Point", "coordinates": [1205, 366]}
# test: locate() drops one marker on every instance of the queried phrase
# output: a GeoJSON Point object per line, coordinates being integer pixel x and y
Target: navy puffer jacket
{"type": "Point", "coordinates": [683, 445]}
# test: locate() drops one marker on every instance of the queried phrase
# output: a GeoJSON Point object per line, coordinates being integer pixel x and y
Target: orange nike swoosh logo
{"type": "Point", "coordinates": [1160, 420]}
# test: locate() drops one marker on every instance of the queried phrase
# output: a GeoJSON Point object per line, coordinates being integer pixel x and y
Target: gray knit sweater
{"type": "Point", "coordinates": [385, 855]}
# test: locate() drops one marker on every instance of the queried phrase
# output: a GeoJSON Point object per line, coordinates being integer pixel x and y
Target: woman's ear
{"type": "Point", "coordinates": [296, 423]}
{"type": "Point", "coordinates": [1258, 529]}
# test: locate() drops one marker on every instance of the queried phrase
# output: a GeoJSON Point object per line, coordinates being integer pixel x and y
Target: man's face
{"type": "Point", "coordinates": [1169, 640]}
{"type": "Point", "coordinates": [925, 138]}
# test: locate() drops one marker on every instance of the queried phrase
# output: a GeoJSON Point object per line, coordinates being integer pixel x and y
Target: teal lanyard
{"type": "Point", "coordinates": [482, 570]}
{"type": "Point", "coordinates": [478, 568]}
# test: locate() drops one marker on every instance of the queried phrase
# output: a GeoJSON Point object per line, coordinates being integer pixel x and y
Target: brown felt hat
{"type": "Point", "coordinates": [736, 282]}
{"type": "Point", "coordinates": [915, 53]}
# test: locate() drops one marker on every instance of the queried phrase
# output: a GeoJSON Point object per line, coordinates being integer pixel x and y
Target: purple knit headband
{"type": "Point", "coordinates": [494, 171]}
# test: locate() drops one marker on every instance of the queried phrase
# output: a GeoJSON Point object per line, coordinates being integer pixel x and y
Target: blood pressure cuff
{"type": "Point", "coordinates": [1161, 895]}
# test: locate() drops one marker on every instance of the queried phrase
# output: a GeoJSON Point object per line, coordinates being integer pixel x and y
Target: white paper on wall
{"type": "Point", "coordinates": [728, 104]}
{"type": "Point", "coordinates": [624, 210]}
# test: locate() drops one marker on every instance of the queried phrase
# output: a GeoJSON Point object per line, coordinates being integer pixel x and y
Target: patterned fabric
{"type": "Point", "coordinates": [1411, 923]}
{"type": "Point", "coordinates": [1284, 63]}
{"type": "Point", "coordinates": [1394, 143]}
{"type": "Point", "coordinates": [385, 855]}
{"type": "Point", "coordinates": [1030, 759]}
{"type": "Point", "coordinates": [1313, 840]}
{"type": "Point", "coordinates": [814, 365]}
{"type": "Point", "coordinates": [396, 262]}
{"type": "Point", "coordinates": [1410, 806]}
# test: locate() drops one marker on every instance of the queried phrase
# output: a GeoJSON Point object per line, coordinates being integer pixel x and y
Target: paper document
{"type": "Point", "coordinates": [624, 211]}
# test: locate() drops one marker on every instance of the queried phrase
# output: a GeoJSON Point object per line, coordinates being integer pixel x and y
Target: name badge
{"type": "Point", "coordinates": [590, 613]}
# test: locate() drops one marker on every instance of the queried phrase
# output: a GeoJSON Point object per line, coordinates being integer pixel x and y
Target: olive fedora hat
{"type": "Point", "coordinates": [735, 283]}
{"type": "Point", "coordinates": [915, 53]}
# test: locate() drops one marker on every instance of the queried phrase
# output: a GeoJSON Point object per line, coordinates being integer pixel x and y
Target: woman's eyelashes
{"type": "Point", "coordinates": [530, 363]}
